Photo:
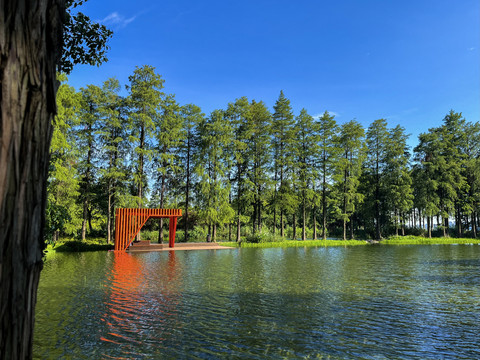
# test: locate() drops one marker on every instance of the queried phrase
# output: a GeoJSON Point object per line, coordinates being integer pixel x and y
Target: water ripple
{"type": "Point", "coordinates": [341, 303]}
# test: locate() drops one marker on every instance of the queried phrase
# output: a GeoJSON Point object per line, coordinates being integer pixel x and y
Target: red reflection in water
{"type": "Point", "coordinates": [143, 301]}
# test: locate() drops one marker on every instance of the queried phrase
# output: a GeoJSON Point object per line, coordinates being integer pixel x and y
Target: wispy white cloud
{"type": "Point", "coordinates": [471, 49]}
{"type": "Point", "coordinates": [332, 113]}
{"type": "Point", "coordinates": [118, 20]}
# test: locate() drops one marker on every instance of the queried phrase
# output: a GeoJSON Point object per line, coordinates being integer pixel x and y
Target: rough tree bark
{"type": "Point", "coordinates": [30, 46]}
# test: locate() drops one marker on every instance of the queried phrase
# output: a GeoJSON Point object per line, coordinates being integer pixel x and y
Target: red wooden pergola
{"type": "Point", "coordinates": [128, 223]}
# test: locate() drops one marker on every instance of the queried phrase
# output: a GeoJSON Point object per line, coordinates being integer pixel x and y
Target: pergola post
{"type": "Point", "coordinates": [172, 228]}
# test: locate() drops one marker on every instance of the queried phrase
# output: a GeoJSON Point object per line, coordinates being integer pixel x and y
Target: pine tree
{"type": "Point", "coordinates": [307, 154]}
{"type": "Point", "coordinates": [239, 116]}
{"type": "Point", "coordinates": [63, 182]}
{"type": "Point", "coordinates": [328, 154]}
{"type": "Point", "coordinates": [192, 117]}
{"type": "Point", "coordinates": [347, 172]}
{"type": "Point", "coordinates": [213, 186]}
{"type": "Point", "coordinates": [169, 134]}
{"type": "Point", "coordinates": [283, 137]}
{"type": "Point", "coordinates": [471, 170]}
{"type": "Point", "coordinates": [144, 102]}
{"type": "Point", "coordinates": [89, 115]}
{"type": "Point", "coordinates": [425, 177]}
{"type": "Point", "coordinates": [112, 136]}
{"type": "Point", "coordinates": [377, 147]}
{"type": "Point", "coordinates": [258, 180]}
{"type": "Point", "coordinates": [398, 181]}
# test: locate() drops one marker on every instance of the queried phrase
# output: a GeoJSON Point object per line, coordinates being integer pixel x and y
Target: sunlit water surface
{"type": "Point", "coordinates": [375, 302]}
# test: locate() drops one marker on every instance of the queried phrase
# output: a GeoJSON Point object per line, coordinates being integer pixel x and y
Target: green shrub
{"type": "Point", "coordinates": [263, 236]}
{"type": "Point", "coordinates": [96, 244]}
{"type": "Point", "coordinates": [198, 234]}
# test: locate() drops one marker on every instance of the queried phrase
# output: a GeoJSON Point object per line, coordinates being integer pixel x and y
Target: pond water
{"type": "Point", "coordinates": [367, 302]}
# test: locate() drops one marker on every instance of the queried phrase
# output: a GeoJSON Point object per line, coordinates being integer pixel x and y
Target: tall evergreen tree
{"type": "Point", "coordinates": [328, 154]}
{"type": "Point", "coordinates": [398, 179]}
{"type": "Point", "coordinates": [471, 168]}
{"type": "Point", "coordinates": [425, 176]}
{"type": "Point", "coordinates": [308, 153]}
{"type": "Point", "coordinates": [112, 136]}
{"type": "Point", "coordinates": [258, 181]}
{"type": "Point", "coordinates": [169, 135]}
{"type": "Point", "coordinates": [451, 160]}
{"type": "Point", "coordinates": [63, 182]}
{"type": "Point", "coordinates": [192, 117]}
{"type": "Point", "coordinates": [144, 102]}
{"type": "Point", "coordinates": [283, 137]}
{"type": "Point", "coordinates": [348, 169]}
{"type": "Point", "coordinates": [377, 147]}
{"type": "Point", "coordinates": [239, 116]}
{"type": "Point", "coordinates": [214, 187]}
{"type": "Point", "coordinates": [89, 115]}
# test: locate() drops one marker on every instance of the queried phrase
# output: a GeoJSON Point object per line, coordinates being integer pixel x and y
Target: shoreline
{"type": "Point", "coordinates": [79, 246]}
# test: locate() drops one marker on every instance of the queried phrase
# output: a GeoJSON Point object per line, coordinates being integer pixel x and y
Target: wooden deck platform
{"type": "Point", "coordinates": [145, 245]}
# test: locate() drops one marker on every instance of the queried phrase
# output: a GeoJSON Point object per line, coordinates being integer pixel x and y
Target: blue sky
{"type": "Point", "coordinates": [407, 61]}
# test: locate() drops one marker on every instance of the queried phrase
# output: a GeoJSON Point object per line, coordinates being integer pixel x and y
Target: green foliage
{"type": "Point", "coordinates": [242, 170]}
{"type": "Point", "coordinates": [94, 244]}
{"type": "Point", "coordinates": [63, 179]}
{"type": "Point", "coordinates": [347, 172]}
{"type": "Point", "coordinates": [284, 148]}
{"type": "Point", "coordinates": [85, 42]}
{"type": "Point", "coordinates": [81, 246]}
{"type": "Point", "coordinates": [258, 182]}
{"type": "Point", "coordinates": [263, 236]}
{"type": "Point", "coordinates": [417, 240]}
{"type": "Point", "coordinates": [213, 195]}
{"type": "Point", "coordinates": [299, 243]}
{"type": "Point", "coordinates": [144, 101]}
{"type": "Point", "coordinates": [55, 218]}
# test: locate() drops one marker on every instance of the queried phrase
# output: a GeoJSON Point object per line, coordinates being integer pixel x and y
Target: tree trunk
{"type": "Point", "coordinates": [259, 222]}
{"type": "Point", "coordinates": [109, 216]}
{"type": "Point", "coordinates": [238, 228]}
{"type": "Point", "coordinates": [474, 226]}
{"type": "Point", "coordinates": [378, 233]}
{"type": "Point", "coordinates": [460, 227]}
{"type": "Point", "coordinates": [89, 216]}
{"type": "Point", "coordinates": [294, 225]}
{"type": "Point", "coordinates": [84, 221]}
{"type": "Point", "coordinates": [324, 201]}
{"type": "Point", "coordinates": [214, 230]}
{"type": "Point", "coordinates": [429, 226]}
{"type": "Point", "coordinates": [162, 203]}
{"type": "Point", "coordinates": [187, 188]}
{"type": "Point", "coordinates": [282, 225]}
{"type": "Point", "coordinates": [274, 220]}
{"type": "Point", "coordinates": [30, 43]}
{"type": "Point", "coordinates": [445, 227]}
{"type": "Point", "coordinates": [396, 223]}
{"type": "Point", "coordinates": [351, 227]}
{"type": "Point", "coordinates": [160, 230]}
{"type": "Point", "coordinates": [314, 224]}
{"type": "Point", "coordinates": [304, 220]}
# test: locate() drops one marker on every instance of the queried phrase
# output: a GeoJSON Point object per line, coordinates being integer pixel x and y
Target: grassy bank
{"type": "Point", "coordinates": [418, 240]}
{"type": "Point", "coordinates": [100, 244]}
{"type": "Point", "coordinates": [70, 245]}
{"type": "Point", "coordinates": [396, 240]}
{"type": "Point", "coordinates": [295, 243]}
